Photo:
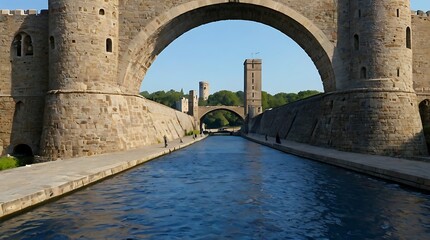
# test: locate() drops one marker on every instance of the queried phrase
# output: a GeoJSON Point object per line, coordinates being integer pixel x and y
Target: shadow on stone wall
{"type": "Point", "coordinates": [354, 121]}
{"type": "Point", "coordinates": [29, 81]}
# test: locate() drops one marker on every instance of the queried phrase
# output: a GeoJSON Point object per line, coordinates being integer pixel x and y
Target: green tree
{"type": "Point", "coordinates": [225, 98]}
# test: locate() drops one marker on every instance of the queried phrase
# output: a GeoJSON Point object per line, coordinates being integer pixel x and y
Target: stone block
{"type": "Point", "coordinates": [5, 12]}
{"type": "Point", "coordinates": [18, 12]}
{"type": "Point", "coordinates": [31, 12]}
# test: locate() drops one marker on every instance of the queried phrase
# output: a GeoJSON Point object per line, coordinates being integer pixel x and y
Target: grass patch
{"type": "Point", "coordinates": [8, 163]}
{"type": "Point", "coordinates": [14, 162]}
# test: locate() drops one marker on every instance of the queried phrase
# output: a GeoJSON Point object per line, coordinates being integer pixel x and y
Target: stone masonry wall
{"type": "Point", "coordinates": [421, 53]}
{"type": "Point", "coordinates": [143, 36]}
{"type": "Point", "coordinates": [357, 121]}
{"type": "Point", "coordinates": [86, 124]}
{"type": "Point", "coordinates": [23, 79]}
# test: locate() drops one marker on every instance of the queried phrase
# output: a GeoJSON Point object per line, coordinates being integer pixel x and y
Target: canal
{"type": "Point", "coordinates": [231, 188]}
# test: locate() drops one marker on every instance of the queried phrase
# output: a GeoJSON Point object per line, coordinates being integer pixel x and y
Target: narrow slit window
{"type": "Point", "coordinates": [363, 73]}
{"type": "Point", "coordinates": [408, 38]}
{"type": "Point", "coordinates": [108, 45]}
{"type": "Point", "coordinates": [28, 46]}
{"type": "Point", "coordinates": [17, 43]}
{"type": "Point", "coordinates": [398, 12]}
{"type": "Point", "coordinates": [52, 42]}
{"type": "Point", "coordinates": [359, 13]}
{"type": "Point", "coordinates": [356, 42]}
{"type": "Point", "coordinates": [398, 72]}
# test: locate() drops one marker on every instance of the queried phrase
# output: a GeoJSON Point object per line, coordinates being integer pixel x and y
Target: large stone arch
{"type": "Point", "coordinates": [141, 51]}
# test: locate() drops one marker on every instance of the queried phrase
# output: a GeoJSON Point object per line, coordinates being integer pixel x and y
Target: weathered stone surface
{"type": "Point", "coordinates": [357, 121]}
{"type": "Point", "coordinates": [76, 93]}
{"type": "Point", "coordinates": [101, 123]}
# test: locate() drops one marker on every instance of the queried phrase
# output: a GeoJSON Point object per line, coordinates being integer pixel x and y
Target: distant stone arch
{"type": "Point", "coordinates": [205, 110]}
{"type": "Point", "coordinates": [142, 50]}
{"type": "Point", "coordinates": [238, 110]}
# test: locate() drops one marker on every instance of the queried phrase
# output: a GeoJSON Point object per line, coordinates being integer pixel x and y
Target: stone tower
{"type": "Point", "coordinates": [252, 87]}
{"type": "Point", "coordinates": [203, 90]}
{"type": "Point", "coordinates": [83, 45]}
{"type": "Point", "coordinates": [83, 52]}
{"type": "Point", "coordinates": [193, 104]}
{"type": "Point", "coordinates": [382, 104]}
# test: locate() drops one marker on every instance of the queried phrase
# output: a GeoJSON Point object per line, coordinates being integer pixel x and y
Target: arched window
{"type": "Point", "coordinates": [108, 45]}
{"type": "Point", "coordinates": [102, 12]}
{"type": "Point", "coordinates": [28, 46]}
{"type": "Point", "coordinates": [363, 73]}
{"type": "Point", "coordinates": [408, 38]}
{"type": "Point", "coordinates": [356, 42]}
{"type": "Point", "coordinates": [17, 44]}
{"type": "Point", "coordinates": [52, 42]}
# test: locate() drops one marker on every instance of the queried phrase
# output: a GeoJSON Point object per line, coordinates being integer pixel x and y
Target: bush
{"type": "Point", "coordinates": [8, 163]}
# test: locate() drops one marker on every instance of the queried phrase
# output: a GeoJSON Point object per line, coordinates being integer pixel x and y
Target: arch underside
{"type": "Point", "coordinates": [146, 46]}
{"type": "Point", "coordinates": [238, 113]}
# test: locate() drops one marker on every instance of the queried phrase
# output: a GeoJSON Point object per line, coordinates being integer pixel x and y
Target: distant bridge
{"type": "Point", "coordinates": [238, 110]}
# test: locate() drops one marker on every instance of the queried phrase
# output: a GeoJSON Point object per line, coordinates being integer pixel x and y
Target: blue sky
{"type": "Point", "coordinates": [215, 53]}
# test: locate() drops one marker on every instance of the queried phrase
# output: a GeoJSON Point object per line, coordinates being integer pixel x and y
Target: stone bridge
{"type": "Point", "coordinates": [238, 110]}
{"type": "Point", "coordinates": [61, 106]}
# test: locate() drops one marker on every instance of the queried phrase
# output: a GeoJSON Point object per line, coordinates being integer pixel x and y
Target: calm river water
{"type": "Point", "coordinates": [230, 188]}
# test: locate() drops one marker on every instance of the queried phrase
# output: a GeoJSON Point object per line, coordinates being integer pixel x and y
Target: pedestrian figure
{"type": "Point", "coordinates": [180, 140]}
{"type": "Point", "coordinates": [278, 139]}
{"type": "Point", "coordinates": [266, 137]}
{"type": "Point", "coordinates": [165, 141]}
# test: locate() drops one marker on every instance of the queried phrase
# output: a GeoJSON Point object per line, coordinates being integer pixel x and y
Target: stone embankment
{"type": "Point", "coordinates": [411, 173]}
{"type": "Point", "coordinates": [26, 187]}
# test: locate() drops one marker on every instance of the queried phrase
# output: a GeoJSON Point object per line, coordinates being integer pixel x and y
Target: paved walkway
{"type": "Point", "coordinates": [411, 173]}
{"type": "Point", "coordinates": [24, 187]}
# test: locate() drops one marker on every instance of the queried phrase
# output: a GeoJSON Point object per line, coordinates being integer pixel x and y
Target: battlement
{"type": "Point", "coordinates": [420, 13]}
{"type": "Point", "coordinates": [20, 12]}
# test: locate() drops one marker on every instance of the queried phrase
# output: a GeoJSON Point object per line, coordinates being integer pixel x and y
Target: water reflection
{"type": "Point", "coordinates": [229, 188]}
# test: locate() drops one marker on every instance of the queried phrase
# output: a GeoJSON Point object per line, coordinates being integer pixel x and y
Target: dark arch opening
{"type": "Point", "coordinates": [363, 73]}
{"type": "Point", "coordinates": [424, 108]}
{"type": "Point", "coordinates": [102, 12]}
{"type": "Point", "coordinates": [28, 46]}
{"type": "Point", "coordinates": [23, 150]}
{"type": "Point", "coordinates": [17, 43]}
{"type": "Point", "coordinates": [234, 120]}
{"type": "Point", "coordinates": [356, 42]}
{"type": "Point", "coordinates": [108, 45]}
{"type": "Point", "coordinates": [408, 38]}
{"type": "Point", "coordinates": [52, 42]}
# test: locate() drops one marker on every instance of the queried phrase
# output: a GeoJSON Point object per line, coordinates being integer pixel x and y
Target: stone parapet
{"type": "Point", "coordinates": [20, 12]}
{"type": "Point", "coordinates": [420, 13]}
